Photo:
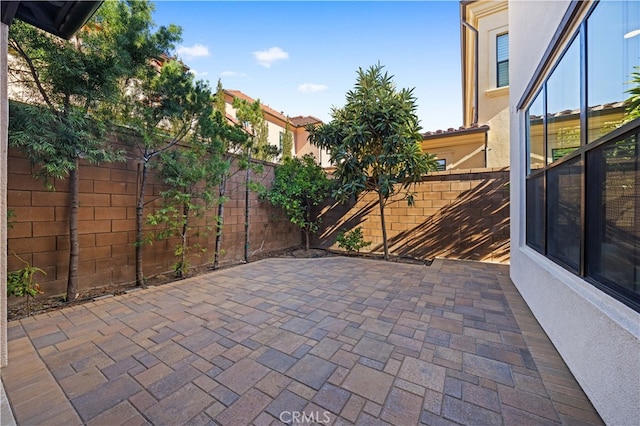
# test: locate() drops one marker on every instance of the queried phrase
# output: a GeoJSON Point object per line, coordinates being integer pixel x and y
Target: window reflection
{"type": "Point", "coordinates": [563, 105]}
{"type": "Point", "coordinates": [535, 133]}
{"type": "Point", "coordinates": [614, 51]}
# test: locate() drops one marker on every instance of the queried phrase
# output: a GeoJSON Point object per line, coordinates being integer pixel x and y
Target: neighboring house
{"type": "Point", "coordinates": [277, 125]}
{"type": "Point", "coordinates": [575, 189]}
{"type": "Point", "coordinates": [483, 139]}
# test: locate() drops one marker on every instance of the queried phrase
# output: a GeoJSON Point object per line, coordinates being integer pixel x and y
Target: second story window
{"type": "Point", "coordinates": [502, 55]}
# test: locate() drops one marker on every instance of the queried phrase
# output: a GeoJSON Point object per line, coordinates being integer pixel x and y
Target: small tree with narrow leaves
{"type": "Point", "coordinates": [374, 141]}
{"type": "Point", "coordinates": [252, 121]}
{"type": "Point", "coordinates": [68, 85]}
{"type": "Point", "coordinates": [287, 142]}
{"type": "Point", "coordinates": [232, 144]}
{"type": "Point", "coordinates": [191, 176]}
{"type": "Point", "coordinates": [299, 185]}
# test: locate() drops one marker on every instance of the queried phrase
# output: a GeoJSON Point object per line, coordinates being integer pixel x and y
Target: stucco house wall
{"type": "Point", "coordinates": [597, 336]}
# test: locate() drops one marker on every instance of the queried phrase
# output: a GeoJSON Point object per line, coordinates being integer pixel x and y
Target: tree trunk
{"type": "Point", "coordinates": [185, 227]}
{"type": "Point", "coordinates": [306, 233]}
{"type": "Point", "coordinates": [246, 212]}
{"type": "Point", "coordinates": [140, 225]}
{"type": "Point", "coordinates": [74, 244]}
{"type": "Point", "coordinates": [384, 228]}
{"type": "Point", "coordinates": [307, 230]}
{"type": "Point", "coordinates": [219, 223]}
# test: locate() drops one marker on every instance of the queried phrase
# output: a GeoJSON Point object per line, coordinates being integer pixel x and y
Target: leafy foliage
{"type": "Point", "coordinates": [20, 283]}
{"type": "Point", "coordinates": [55, 142]}
{"type": "Point", "coordinates": [633, 107]}
{"type": "Point", "coordinates": [252, 120]}
{"type": "Point", "coordinates": [191, 176]}
{"type": "Point", "coordinates": [163, 107]}
{"type": "Point", "coordinates": [352, 240]}
{"type": "Point", "coordinates": [287, 142]}
{"type": "Point", "coordinates": [71, 86]}
{"type": "Point", "coordinates": [373, 141]}
{"type": "Point", "coordinates": [298, 186]}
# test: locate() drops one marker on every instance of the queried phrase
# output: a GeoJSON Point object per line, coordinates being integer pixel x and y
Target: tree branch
{"type": "Point", "coordinates": [34, 74]}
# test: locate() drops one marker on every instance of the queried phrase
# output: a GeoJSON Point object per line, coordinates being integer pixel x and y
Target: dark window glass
{"type": "Point", "coordinates": [441, 165]}
{"type": "Point", "coordinates": [535, 212]}
{"type": "Point", "coordinates": [563, 105]}
{"type": "Point", "coordinates": [583, 212]}
{"type": "Point", "coordinates": [535, 133]}
{"type": "Point", "coordinates": [564, 225]}
{"type": "Point", "coordinates": [613, 215]}
{"type": "Point", "coordinates": [613, 46]}
{"type": "Point", "coordinates": [502, 50]}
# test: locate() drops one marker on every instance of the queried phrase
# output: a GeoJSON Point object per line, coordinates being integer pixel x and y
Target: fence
{"type": "Point", "coordinates": [39, 231]}
{"type": "Point", "coordinates": [457, 214]}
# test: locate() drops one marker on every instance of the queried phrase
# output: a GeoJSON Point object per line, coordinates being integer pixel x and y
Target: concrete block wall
{"type": "Point", "coordinates": [39, 231]}
{"type": "Point", "coordinates": [459, 214]}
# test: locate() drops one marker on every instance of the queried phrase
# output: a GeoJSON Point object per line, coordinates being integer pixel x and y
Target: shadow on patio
{"type": "Point", "coordinates": [340, 340]}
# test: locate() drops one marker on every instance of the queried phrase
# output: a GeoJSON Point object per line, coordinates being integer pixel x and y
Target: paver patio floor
{"type": "Point", "coordinates": [343, 340]}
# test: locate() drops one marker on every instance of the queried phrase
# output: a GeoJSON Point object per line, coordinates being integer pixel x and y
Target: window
{"type": "Point", "coordinates": [583, 169]}
{"type": "Point", "coordinates": [613, 51]}
{"type": "Point", "coordinates": [280, 141]}
{"type": "Point", "coordinates": [441, 165]}
{"type": "Point", "coordinates": [502, 55]}
{"type": "Point", "coordinates": [563, 105]}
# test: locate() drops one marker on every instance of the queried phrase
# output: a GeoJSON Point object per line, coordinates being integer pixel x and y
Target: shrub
{"type": "Point", "coordinates": [352, 240]}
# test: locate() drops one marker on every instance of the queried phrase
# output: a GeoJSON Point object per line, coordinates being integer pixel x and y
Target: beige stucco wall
{"type": "Point", "coordinates": [465, 151]}
{"type": "Point", "coordinates": [597, 336]}
{"type": "Point", "coordinates": [490, 18]}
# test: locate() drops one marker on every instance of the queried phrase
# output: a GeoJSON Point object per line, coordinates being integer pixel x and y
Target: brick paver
{"type": "Point", "coordinates": [298, 341]}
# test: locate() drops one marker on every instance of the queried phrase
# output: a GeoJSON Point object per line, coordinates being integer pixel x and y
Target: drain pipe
{"type": "Point", "coordinates": [463, 21]}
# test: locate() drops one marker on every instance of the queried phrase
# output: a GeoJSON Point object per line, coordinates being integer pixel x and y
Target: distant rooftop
{"type": "Point", "coordinates": [297, 121]}
{"type": "Point", "coordinates": [474, 128]}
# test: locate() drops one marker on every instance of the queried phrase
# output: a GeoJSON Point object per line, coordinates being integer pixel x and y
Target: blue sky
{"type": "Point", "coordinates": [302, 57]}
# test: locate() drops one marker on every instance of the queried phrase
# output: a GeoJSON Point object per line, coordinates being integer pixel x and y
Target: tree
{"type": "Point", "coordinates": [252, 121]}
{"type": "Point", "coordinates": [374, 141]}
{"type": "Point", "coordinates": [67, 84]}
{"type": "Point", "coordinates": [191, 175]}
{"type": "Point", "coordinates": [298, 186]}
{"type": "Point", "coordinates": [163, 109]}
{"type": "Point", "coordinates": [231, 142]}
{"type": "Point", "coordinates": [287, 142]}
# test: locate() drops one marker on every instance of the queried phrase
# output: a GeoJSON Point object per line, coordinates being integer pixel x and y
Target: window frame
{"type": "Point", "coordinates": [500, 62]}
{"type": "Point", "coordinates": [538, 87]}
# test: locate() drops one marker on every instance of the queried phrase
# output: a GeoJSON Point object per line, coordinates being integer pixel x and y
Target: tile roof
{"type": "Point", "coordinates": [569, 112]}
{"type": "Point", "coordinates": [300, 120]}
{"type": "Point", "coordinates": [460, 130]}
{"type": "Point", "coordinates": [265, 108]}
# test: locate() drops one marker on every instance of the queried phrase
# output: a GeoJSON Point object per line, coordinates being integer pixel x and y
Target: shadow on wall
{"type": "Point", "coordinates": [339, 216]}
{"type": "Point", "coordinates": [456, 216]}
{"type": "Point", "coordinates": [475, 226]}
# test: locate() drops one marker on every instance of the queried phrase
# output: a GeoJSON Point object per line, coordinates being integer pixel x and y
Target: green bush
{"type": "Point", "coordinates": [352, 240]}
{"type": "Point", "coordinates": [20, 283]}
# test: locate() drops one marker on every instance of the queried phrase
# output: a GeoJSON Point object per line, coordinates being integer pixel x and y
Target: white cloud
{"type": "Point", "coordinates": [311, 87]}
{"type": "Point", "coordinates": [269, 56]}
{"type": "Point", "coordinates": [196, 51]}
{"type": "Point", "coordinates": [232, 74]}
{"type": "Point", "coordinates": [199, 74]}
